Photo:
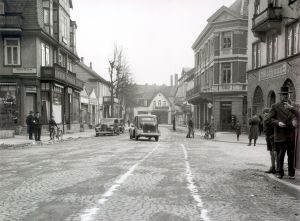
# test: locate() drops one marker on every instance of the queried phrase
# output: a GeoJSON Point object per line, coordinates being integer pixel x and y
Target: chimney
{"type": "Point", "coordinates": [171, 80]}
{"type": "Point", "coordinates": [176, 79]}
{"type": "Point", "coordinates": [91, 65]}
{"type": "Point", "coordinates": [82, 59]}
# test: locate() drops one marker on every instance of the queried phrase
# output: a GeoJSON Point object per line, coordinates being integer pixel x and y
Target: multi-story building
{"type": "Point", "coordinates": [273, 52]}
{"type": "Point", "coordinates": [93, 108]}
{"type": "Point", "coordinates": [183, 110]}
{"type": "Point", "coordinates": [220, 86]}
{"type": "Point", "coordinates": [36, 66]}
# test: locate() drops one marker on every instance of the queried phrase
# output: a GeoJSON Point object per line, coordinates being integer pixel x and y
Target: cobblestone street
{"type": "Point", "coordinates": [116, 179]}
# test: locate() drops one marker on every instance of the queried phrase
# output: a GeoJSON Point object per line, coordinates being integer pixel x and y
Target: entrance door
{"type": "Point", "coordinates": [30, 103]}
{"type": "Point", "coordinates": [225, 115]}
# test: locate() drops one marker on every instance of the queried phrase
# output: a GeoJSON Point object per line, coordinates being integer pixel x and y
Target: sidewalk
{"type": "Point", "coordinates": [22, 140]}
{"type": "Point", "coordinates": [291, 186]}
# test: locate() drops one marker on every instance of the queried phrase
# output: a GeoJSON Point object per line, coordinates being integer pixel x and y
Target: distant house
{"type": "Point", "coordinates": [157, 100]}
{"type": "Point", "coordinates": [93, 105]}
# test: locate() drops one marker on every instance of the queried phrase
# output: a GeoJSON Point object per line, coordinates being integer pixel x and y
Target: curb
{"type": "Point", "coordinates": [287, 186]}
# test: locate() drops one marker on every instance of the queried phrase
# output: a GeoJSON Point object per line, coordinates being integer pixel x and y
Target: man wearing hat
{"type": "Point", "coordinates": [29, 123]}
{"type": "Point", "coordinates": [281, 119]}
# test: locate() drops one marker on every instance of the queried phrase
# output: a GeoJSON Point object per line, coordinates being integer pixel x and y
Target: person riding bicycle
{"type": "Point", "coordinates": [52, 125]}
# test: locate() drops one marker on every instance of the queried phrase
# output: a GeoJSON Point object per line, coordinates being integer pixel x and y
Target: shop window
{"type": "Point", "coordinates": [8, 106]}
{"type": "Point", "coordinates": [226, 73]}
{"type": "Point", "coordinates": [12, 51]}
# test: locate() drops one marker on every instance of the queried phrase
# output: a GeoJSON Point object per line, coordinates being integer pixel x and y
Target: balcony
{"type": "Point", "coordinates": [11, 22]}
{"type": "Point", "coordinates": [161, 108]}
{"type": "Point", "coordinates": [107, 100]}
{"type": "Point", "coordinates": [236, 87]}
{"type": "Point", "coordinates": [268, 19]}
{"type": "Point", "coordinates": [57, 73]}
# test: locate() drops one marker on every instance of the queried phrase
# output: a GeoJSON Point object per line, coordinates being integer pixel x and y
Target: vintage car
{"type": "Point", "coordinates": [144, 126]}
{"type": "Point", "coordinates": [108, 126]}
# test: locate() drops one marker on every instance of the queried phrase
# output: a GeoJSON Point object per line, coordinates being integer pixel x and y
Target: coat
{"type": "Point", "coordinates": [254, 127]}
{"type": "Point", "coordinates": [29, 122]}
{"type": "Point", "coordinates": [278, 114]}
{"type": "Point", "coordinates": [297, 138]}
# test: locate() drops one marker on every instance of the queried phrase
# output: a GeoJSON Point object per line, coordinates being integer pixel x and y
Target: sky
{"type": "Point", "coordinates": [156, 36]}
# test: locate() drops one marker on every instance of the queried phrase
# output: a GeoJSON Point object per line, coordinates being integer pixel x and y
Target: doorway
{"type": "Point", "coordinates": [225, 115]}
{"type": "Point", "coordinates": [30, 103]}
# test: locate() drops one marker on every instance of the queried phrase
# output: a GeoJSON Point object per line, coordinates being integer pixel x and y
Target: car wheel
{"type": "Point", "coordinates": [136, 138]}
{"type": "Point", "coordinates": [156, 138]}
{"type": "Point", "coordinates": [97, 135]}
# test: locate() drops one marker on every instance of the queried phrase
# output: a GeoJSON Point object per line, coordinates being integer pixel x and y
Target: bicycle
{"type": "Point", "coordinates": [56, 133]}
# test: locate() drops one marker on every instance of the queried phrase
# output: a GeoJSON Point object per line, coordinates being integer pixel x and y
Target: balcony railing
{"type": "Point", "coordinates": [228, 87]}
{"type": "Point", "coordinates": [11, 20]}
{"type": "Point", "coordinates": [160, 107]}
{"type": "Point", "coordinates": [268, 19]}
{"type": "Point", "coordinates": [59, 74]}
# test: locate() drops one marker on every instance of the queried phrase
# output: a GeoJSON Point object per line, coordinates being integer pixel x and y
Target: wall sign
{"type": "Point", "coordinates": [273, 71]}
{"type": "Point", "coordinates": [24, 70]}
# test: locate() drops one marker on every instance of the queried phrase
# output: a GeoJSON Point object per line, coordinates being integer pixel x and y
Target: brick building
{"type": "Point", "coordinates": [36, 66]}
{"type": "Point", "coordinates": [220, 85]}
{"type": "Point", "coordinates": [273, 52]}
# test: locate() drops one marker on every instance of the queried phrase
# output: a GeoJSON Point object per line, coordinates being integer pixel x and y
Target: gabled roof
{"type": "Point", "coordinates": [163, 95]}
{"type": "Point", "coordinates": [148, 92]}
{"type": "Point", "coordinates": [93, 73]}
{"type": "Point", "coordinates": [221, 11]}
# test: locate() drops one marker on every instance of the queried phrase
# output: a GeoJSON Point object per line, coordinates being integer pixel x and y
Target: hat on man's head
{"type": "Point", "coordinates": [284, 90]}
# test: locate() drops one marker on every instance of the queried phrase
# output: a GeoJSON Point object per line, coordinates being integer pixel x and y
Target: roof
{"type": "Point", "coordinates": [238, 10]}
{"type": "Point", "coordinates": [92, 72]}
{"type": "Point", "coordinates": [149, 91]}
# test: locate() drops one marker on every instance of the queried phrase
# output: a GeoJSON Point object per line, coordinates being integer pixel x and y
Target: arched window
{"type": "Point", "coordinates": [288, 83]}
{"type": "Point", "coordinates": [258, 101]}
{"type": "Point", "coordinates": [271, 98]}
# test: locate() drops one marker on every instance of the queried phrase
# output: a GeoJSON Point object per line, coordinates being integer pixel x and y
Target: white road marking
{"type": "Point", "coordinates": [192, 187]}
{"type": "Point", "coordinates": [89, 213]}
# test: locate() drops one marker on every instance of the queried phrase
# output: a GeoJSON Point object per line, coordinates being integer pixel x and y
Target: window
{"type": "Point", "coordinates": [8, 105]}
{"type": "Point", "coordinates": [45, 54]}
{"type": "Point", "coordinates": [226, 73]}
{"type": "Point", "coordinates": [159, 103]}
{"type": "Point", "coordinates": [272, 48]}
{"type": "Point", "coordinates": [164, 103]}
{"type": "Point", "coordinates": [46, 16]}
{"type": "Point", "coordinates": [256, 7]}
{"type": "Point", "coordinates": [1, 8]}
{"type": "Point", "coordinates": [154, 103]}
{"type": "Point", "coordinates": [61, 60]}
{"type": "Point", "coordinates": [256, 55]}
{"type": "Point", "coordinates": [12, 51]}
{"type": "Point", "coordinates": [75, 107]}
{"type": "Point", "coordinates": [292, 44]}
{"type": "Point", "coordinates": [227, 40]}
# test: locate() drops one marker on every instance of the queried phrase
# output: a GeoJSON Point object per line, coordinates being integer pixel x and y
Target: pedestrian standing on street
{"type": "Point", "coordinates": [238, 130]}
{"type": "Point", "coordinates": [281, 118]}
{"type": "Point", "coordinates": [29, 123]}
{"type": "Point", "coordinates": [37, 127]}
{"type": "Point", "coordinates": [174, 124]}
{"type": "Point", "coordinates": [191, 129]}
{"type": "Point", "coordinates": [268, 129]}
{"type": "Point", "coordinates": [52, 125]}
{"type": "Point", "coordinates": [253, 130]}
{"type": "Point", "coordinates": [212, 129]}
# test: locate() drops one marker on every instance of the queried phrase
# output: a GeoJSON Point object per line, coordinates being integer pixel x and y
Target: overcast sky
{"type": "Point", "coordinates": [156, 35]}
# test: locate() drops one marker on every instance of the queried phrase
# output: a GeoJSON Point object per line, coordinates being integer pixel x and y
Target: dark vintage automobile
{"type": "Point", "coordinates": [144, 126]}
{"type": "Point", "coordinates": [108, 126]}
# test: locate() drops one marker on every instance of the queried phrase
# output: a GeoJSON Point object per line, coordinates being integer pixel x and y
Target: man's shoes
{"type": "Point", "coordinates": [279, 176]}
{"type": "Point", "coordinates": [249, 144]}
{"type": "Point", "coordinates": [271, 170]}
{"type": "Point", "coordinates": [292, 177]}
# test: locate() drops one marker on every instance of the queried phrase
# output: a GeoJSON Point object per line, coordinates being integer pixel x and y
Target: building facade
{"type": "Point", "coordinates": [273, 52]}
{"type": "Point", "coordinates": [36, 66]}
{"type": "Point", "coordinates": [93, 97]}
{"type": "Point", "coordinates": [183, 110]}
{"type": "Point", "coordinates": [220, 86]}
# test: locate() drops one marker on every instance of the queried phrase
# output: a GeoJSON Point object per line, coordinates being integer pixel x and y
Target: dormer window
{"type": "Point", "coordinates": [1, 8]}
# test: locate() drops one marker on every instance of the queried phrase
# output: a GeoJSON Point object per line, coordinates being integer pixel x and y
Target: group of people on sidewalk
{"type": "Point", "coordinates": [281, 130]}
{"type": "Point", "coordinates": [34, 126]}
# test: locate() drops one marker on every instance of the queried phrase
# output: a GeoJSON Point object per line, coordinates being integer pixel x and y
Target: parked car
{"type": "Point", "coordinates": [144, 126]}
{"type": "Point", "coordinates": [108, 126]}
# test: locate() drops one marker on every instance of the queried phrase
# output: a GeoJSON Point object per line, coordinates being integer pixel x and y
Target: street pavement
{"type": "Point", "coordinates": [114, 178]}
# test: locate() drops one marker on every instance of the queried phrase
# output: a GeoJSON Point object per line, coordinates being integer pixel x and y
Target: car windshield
{"type": "Point", "coordinates": [147, 119]}
{"type": "Point", "coordinates": [107, 121]}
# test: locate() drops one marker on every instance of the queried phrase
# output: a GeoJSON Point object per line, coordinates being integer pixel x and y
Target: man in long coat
{"type": "Point", "coordinates": [281, 119]}
{"type": "Point", "coordinates": [29, 122]}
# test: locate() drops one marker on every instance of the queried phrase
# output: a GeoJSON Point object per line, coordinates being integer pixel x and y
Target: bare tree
{"type": "Point", "coordinates": [120, 79]}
